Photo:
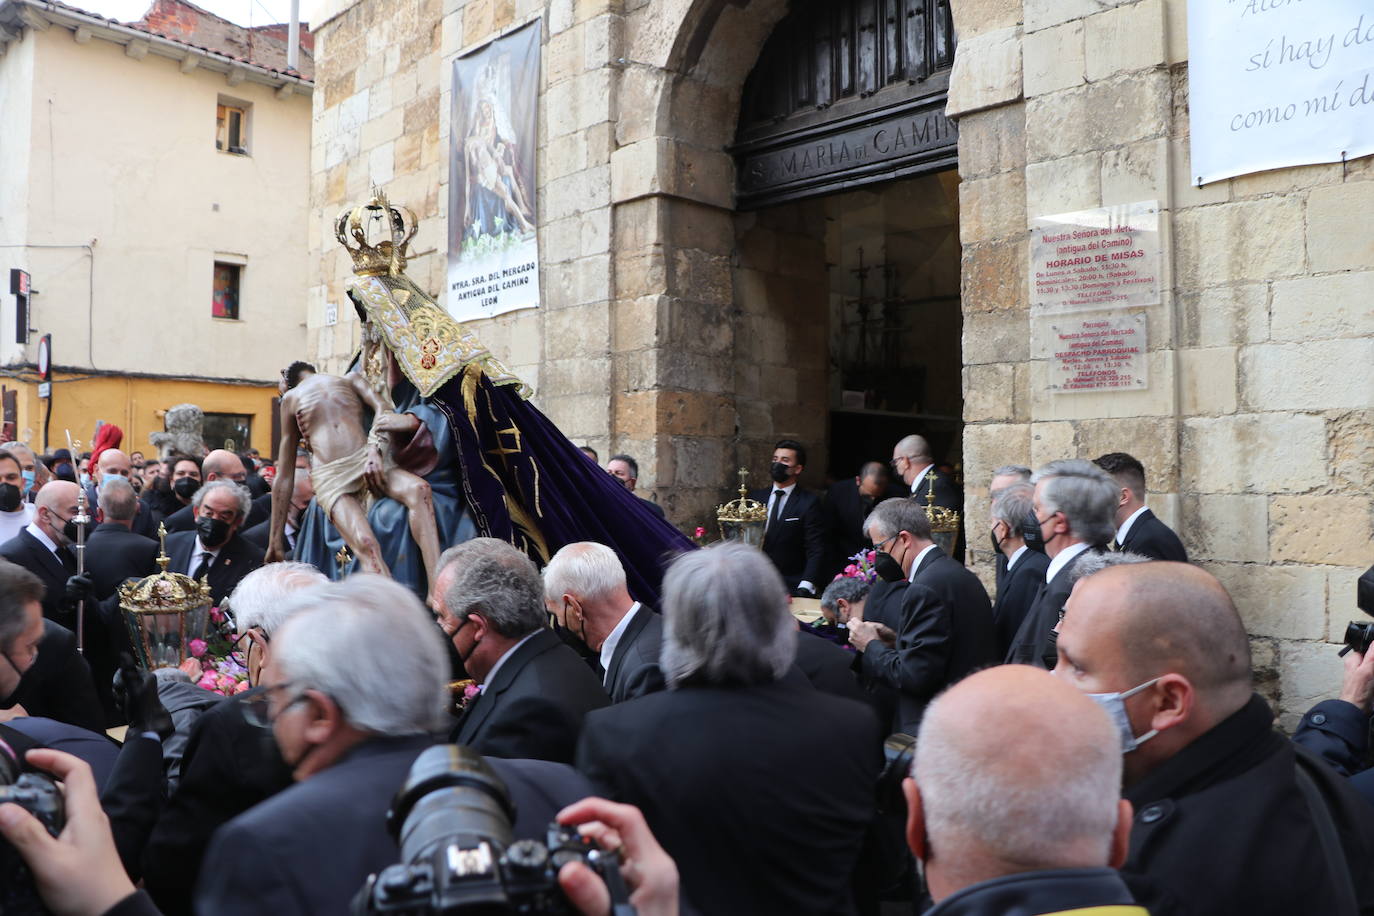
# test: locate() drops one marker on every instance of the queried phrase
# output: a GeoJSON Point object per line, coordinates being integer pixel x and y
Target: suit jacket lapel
{"type": "Point", "coordinates": [929, 558]}
{"type": "Point", "coordinates": [181, 556]}
{"type": "Point", "coordinates": [481, 708]}
{"type": "Point", "coordinates": [46, 557]}
{"type": "Point", "coordinates": [1136, 528]}
{"type": "Point", "coordinates": [626, 641]}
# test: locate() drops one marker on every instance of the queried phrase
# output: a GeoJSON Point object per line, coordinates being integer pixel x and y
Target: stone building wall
{"type": "Point", "coordinates": [1257, 429]}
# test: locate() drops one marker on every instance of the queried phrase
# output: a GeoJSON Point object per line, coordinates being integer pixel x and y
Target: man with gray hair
{"type": "Point", "coordinates": [1075, 505]}
{"type": "Point", "coordinates": [113, 551]}
{"type": "Point", "coordinates": [1021, 570]}
{"type": "Point", "coordinates": [584, 589]}
{"type": "Point", "coordinates": [214, 549]}
{"type": "Point", "coordinates": [1006, 476]}
{"type": "Point", "coordinates": [219, 464]}
{"type": "Point", "coordinates": [713, 761]}
{"type": "Point", "coordinates": [355, 688]}
{"type": "Point", "coordinates": [1014, 802]}
{"type": "Point", "coordinates": [535, 691]}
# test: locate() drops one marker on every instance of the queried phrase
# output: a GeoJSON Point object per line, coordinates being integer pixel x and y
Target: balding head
{"type": "Point", "coordinates": [113, 461]}
{"type": "Point", "coordinates": [910, 456]}
{"type": "Point", "coordinates": [1016, 771]}
{"type": "Point", "coordinates": [1171, 626]}
{"type": "Point", "coordinates": [221, 465]}
{"type": "Point", "coordinates": [54, 506]}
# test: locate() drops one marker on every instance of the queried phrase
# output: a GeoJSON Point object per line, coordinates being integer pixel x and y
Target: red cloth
{"type": "Point", "coordinates": [109, 436]}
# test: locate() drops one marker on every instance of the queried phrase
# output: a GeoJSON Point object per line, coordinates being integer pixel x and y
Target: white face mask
{"type": "Point", "coordinates": [1115, 705]}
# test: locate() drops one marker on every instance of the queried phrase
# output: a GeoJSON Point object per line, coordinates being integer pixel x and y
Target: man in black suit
{"type": "Point", "coordinates": [946, 628]}
{"type": "Point", "coordinates": [535, 691]}
{"type": "Point", "coordinates": [113, 551]}
{"type": "Point", "coordinates": [1074, 503]}
{"type": "Point", "coordinates": [215, 549]}
{"type": "Point", "coordinates": [301, 493]}
{"type": "Point", "coordinates": [1002, 478]}
{"type": "Point", "coordinates": [111, 464]}
{"type": "Point", "coordinates": [626, 470]}
{"type": "Point", "coordinates": [1023, 568]}
{"type": "Point", "coordinates": [847, 504]}
{"type": "Point", "coordinates": [712, 761]}
{"type": "Point", "coordinates": [794, 535]}
{"type": "Point", "coordinates": [1137, 528]}
{"type": "Point", "coordinates": [584, 589]}
{"type": "Point", "coordinates": [219, 465]}
{"type": "Point", "coordinates": [912, 461]}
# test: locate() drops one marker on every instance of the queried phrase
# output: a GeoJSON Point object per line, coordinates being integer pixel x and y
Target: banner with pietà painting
{"type": "Point", "coordinates": [493, 250]}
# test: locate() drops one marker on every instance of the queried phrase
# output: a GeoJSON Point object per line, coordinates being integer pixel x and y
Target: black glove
{"type": "Point", "coordinates": [135, 693]}
{"type": "Point", "coordinates": [800, 592]}
{"type": "Point", "coordinates": [79, 588]}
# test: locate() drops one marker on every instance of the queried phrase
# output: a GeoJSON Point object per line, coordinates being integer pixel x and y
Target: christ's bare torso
{"type": "Point", "coordinates": [329, 414]}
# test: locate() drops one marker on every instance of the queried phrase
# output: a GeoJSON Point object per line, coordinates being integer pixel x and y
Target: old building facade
{"type": "Point", "coordinates": [735, 247]}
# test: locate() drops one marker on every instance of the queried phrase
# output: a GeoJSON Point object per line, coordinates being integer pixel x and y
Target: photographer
{"type": "Point", "coordinates": [1338, 730]}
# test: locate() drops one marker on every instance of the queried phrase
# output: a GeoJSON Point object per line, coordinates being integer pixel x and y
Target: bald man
{"type": "Point", "coordinates": [912, 461]}
{"type": "Point", "coordinates": [1229, 814]}
{"type": "Point", "coordinates": [1014, 802]}
{"type": "Point", "coordinates": [220, 465]}
{"type": "Point", "coordinates": [115, 463]}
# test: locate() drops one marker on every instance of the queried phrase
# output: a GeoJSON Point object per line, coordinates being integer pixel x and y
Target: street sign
{"type": "Point", "coordinates": [45, 357]}
{"type": "Point", "coordinates": [45, 389]}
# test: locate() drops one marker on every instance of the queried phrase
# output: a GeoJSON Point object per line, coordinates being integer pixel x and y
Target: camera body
{"type": "Point", "coordinates": [1359, 635]}
{"type": "Point", "coordinates": [39, 796]}
{"type": "Point", "coordinates": [452, 818]}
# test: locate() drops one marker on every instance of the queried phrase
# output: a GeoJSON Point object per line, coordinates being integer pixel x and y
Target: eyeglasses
{"type": "Point", "coordinates": [882, 545]}
{"type": "Point", "coordinates": [257, 709]}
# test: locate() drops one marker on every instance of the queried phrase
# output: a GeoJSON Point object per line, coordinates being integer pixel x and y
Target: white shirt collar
{"type": "Point", "coordinates": [1126, 525]}
{"type": "Point", "coordinates": [491, 675]}
{"type": "Point", "coordinates": [200, 549]}
{"type": "Point", "coordinates": [608, 647]}
{"type": "Point", "coordinates": [33, 529]}
{"type": "Point", "coordinates": [1059, 562]}
{"type": "Point", "coordinates": [785, 488]}
{"type": "Point", "coordinates": [920, 477]}
{"type": "Point", "coordinates": [919, 557]}
{"type": "Point", "coordinates": [1011, 560]}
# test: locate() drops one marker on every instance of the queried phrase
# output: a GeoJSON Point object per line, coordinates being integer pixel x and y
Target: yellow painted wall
{"type": "Point", "coordinates": [135, 406]}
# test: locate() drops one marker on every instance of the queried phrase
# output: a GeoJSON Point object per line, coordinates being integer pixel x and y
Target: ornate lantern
{"type": "Point", "coordinates": [742, 519]}
{"type": "Point", "coordinates": [944, 523]}
{"type": "Point", "coordinates": [164, 612]}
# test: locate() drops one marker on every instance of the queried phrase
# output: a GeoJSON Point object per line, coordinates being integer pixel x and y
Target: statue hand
{"type": "Point", "coordinates": [397, 423]}
{"type": "Point", "coordinates": [274, 553]}
{"type": "Point", "coordinates": [375, 476]}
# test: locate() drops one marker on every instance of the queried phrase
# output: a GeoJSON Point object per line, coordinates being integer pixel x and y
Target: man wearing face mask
{"type": "Point", "coordinates": [945, 629]}
{"type": "Point", "coordinates": [110, 464]}
{"type": "Point", "coordinates": [1230, 817]}
{"type": "Point", "coordinates": [535, 691]}
{"type": "Point", "coordinates": [215, 549]}
{"type": "Point", "coordinates": [15, 513]}
{"type": "Point", "coordinates": [218, 465]}
{"type": "Point", "coordinates": [1023, 569]}
{"type": "Point", "coordinates": [34, 472]}
{"type": "Point", "coordinates": [1075, 504]}
{"type": "Point", "coordinates": [584, 589]}
{"type": "Point", "coordinates": [794, 534]}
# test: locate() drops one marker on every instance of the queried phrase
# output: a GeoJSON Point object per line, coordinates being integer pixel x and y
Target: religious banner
{"type": "Point", "coordinates": [493, 251]}
{"type": "Point", "coordinates": [1276, 83]}
{"type": "Point", "coordinates": [1106, 257]}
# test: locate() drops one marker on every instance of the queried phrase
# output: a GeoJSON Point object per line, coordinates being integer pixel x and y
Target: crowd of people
{"type": "Point", "coordinates": [1088, 736]}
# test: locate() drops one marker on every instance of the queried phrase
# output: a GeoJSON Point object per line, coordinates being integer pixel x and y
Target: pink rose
{"type": "Point", "coordinates": [216, 615]}
{"type": "Point", "coordinates": [197, 647]}
{"type": "Point", "coordinates": [470, 691]}
{"type": "Point", "coordinates": [851, 570]}
{"type": "Point", "coordinates": [242, 686]}
{"type": "Point", "coordinates": [701, 532]}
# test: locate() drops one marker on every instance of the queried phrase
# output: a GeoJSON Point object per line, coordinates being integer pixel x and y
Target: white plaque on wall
{"type": "Point", "coordinates": [1107, 257]}
{"type": "Point", "coordinates": [1274, 83]}
{"type": "Point", "coordinates": [1097, 352]}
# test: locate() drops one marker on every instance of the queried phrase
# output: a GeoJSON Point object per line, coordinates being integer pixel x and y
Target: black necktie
{"type": "Point", "coordinates": [203, 567]}
{"type": "Point", "coordinates": [779, 497]}
{"type": "Point", "coordinates": [64, 556]}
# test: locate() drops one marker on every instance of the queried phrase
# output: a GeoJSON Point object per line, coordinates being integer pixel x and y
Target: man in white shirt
{"type": "Point", "coordinates": [584, 589]}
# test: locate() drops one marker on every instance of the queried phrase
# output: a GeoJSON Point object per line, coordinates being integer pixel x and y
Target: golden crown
{"type": "Point", "coordinates": [742, 510]}
{"type": "Point", "coordinates": [388, 256]}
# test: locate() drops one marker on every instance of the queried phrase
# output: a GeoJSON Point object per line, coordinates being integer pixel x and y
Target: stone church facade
{"type": "Point", "coordinates": [722, 267]}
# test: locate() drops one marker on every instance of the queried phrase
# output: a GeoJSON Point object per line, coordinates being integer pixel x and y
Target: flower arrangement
{"type": "Point", "coordinates": [699, 536]}
{"type": "Point", "coordinates": [215, 665]}
{"type": "Point", "coordinates": [861, 567]}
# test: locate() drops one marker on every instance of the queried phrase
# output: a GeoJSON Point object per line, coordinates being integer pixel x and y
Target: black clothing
{"type": "Point", "coordinates": [844, 512]}
{"type": "Point", "coordinates": [1338, 732]}
{"type": "Point", "coordinates": [145, 522]}
{"type": "Point", "coordinates": [1152, 538]}
{"type": "Point", "coordinates": [236, 559]}
{"type": "Point", "coordinates": [634, 667]}
{"type": "Point", "coordinates": [114, 553]}
{"type": "Point", "coordinates": [828, 667]}
{"type": "Point", "coordinates": [136, 904]}
{"type": "Point", "coordinates": [58, 684]}
{"type": "Point", "coordinates": [946, 493]}
{"type": "Point", "coordinates": [535, 705]}
{"type": "Point", "coordinates": [653, 507]}
{"type": "Point", "coordinates": [1222, 827]}
{"type": "Point", "coordinates": [1043, 893]}
{"type": "Point", "coordinates": [795, 542]}
{"type": "Point", "coordinates": [227, 767]}
{"type": "Point", "coordinates": [715, 771]}
{"type": "Point", "coordinates": [184, 519]}
{"type": "Point", "coordinates": [946, 633]}
{"type": "Point", "coordinates": [1016, 592]}
{"type": "Point", "coordinates": [53, 569]}
{"type": "Point", "coordinates": [1033, 643]}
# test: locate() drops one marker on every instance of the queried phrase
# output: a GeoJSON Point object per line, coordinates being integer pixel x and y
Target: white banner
{"type": "Point", "coordinates": [493, 251]}
{"type": "Point", "coordinates": [1275, 83]}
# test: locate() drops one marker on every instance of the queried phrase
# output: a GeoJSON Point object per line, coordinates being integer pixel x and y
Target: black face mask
{"type": "Point", "coordinates": [996, 544]}
{"type": "Point", "coordinates": [887, 568]}
{"type": "Point", "coordinates": [781, 473]}
{"type": "Point", "coordinates": [213, 531]}
{"type": "Point", "coordinates": [69, 528]}
{"type": "Point", "coordinates": [186, 487]}
{"type": "Point", "coordinates": [1030, 530]}
{"type": "Point", "coordinates": [11, 497]}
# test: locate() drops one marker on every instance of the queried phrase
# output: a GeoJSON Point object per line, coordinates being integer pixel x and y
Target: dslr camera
{"type": "Point", "coordinates": [452, 819]}
{"type": "Point", "coordinates": [1358, 635]}
{"type": "Point", "coordinates": [40, 796]}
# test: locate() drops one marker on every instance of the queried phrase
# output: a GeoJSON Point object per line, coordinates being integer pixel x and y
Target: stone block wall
{"type": "Point", "coordinates": [1256, 428]}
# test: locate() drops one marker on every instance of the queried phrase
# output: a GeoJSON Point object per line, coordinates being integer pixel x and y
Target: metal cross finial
{"type": "Point", "coordinates": [930, 494]}
{"type": "Point", "coordinates": [162, 558]}
{"type": "Point", "coordinates": [743, 477]}
{"type": "Point", "coordinates": [343, 557]}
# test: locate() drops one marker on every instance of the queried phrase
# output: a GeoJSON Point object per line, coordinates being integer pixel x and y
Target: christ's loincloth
{"type": "Point", "coordinates": [342, 477]}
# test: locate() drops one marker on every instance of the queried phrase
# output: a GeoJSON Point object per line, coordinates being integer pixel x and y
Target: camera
{"type": "Point", "coordinates": [39, 796]}
{"type": "Point", "coordinates": [898, 751]}
{"type": "Point", "coordinates": [1359, 636]}
{"type": "Point", "coordinates": [452, 819]}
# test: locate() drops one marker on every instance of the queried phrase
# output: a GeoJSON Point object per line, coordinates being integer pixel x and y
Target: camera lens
{"type": "Point", "coordinates": [451, 794]}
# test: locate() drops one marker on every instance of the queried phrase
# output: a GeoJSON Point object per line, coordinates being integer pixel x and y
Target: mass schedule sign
{"type": "Point", "coordinates": [1276, 83]}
